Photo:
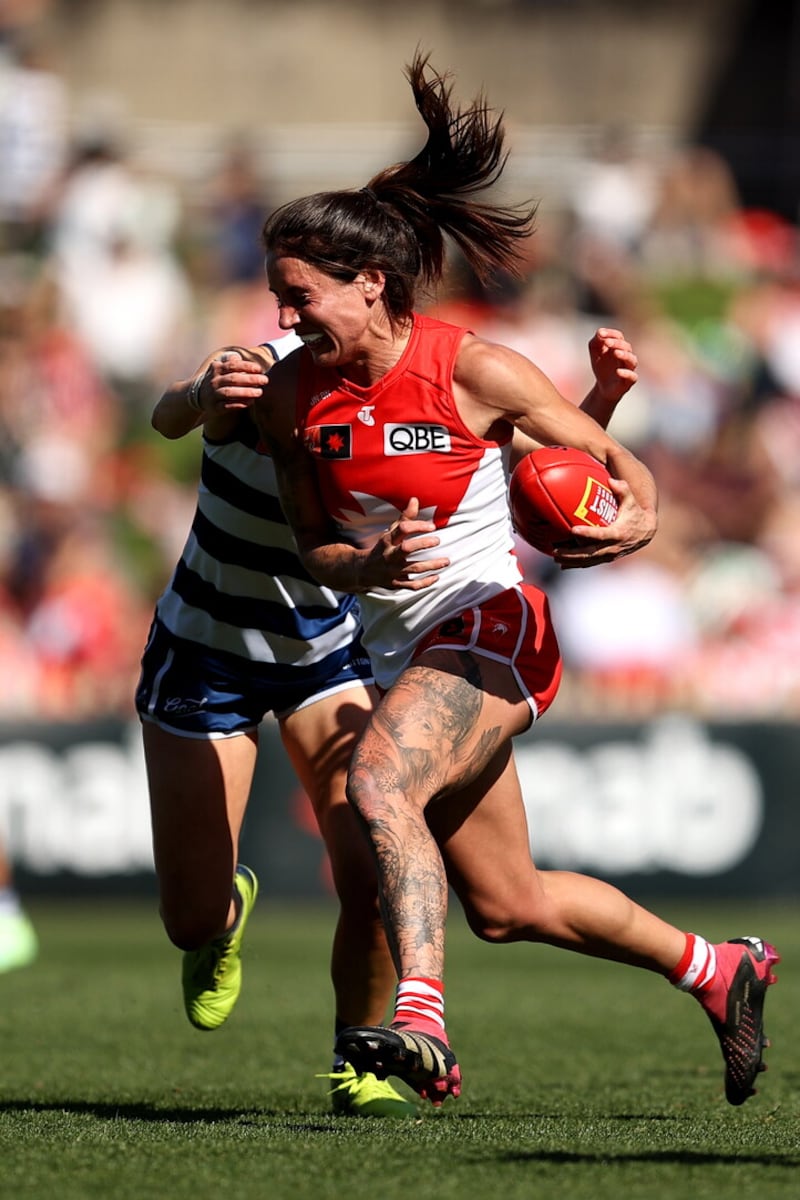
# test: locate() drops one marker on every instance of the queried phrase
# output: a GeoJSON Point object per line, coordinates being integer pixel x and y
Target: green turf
{"type": "Point", "coordinates": [582, 1079]}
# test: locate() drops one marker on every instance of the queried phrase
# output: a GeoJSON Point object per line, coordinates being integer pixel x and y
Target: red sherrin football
{"type": "Point", "coordinates": [554, 488]}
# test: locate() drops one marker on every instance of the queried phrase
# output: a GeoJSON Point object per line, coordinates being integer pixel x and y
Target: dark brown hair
{"type": "Point", "coordinates": [399, 222]}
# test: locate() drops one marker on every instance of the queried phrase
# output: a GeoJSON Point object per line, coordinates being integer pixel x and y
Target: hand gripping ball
{"type": "Point", "coordinates": [554, 488]}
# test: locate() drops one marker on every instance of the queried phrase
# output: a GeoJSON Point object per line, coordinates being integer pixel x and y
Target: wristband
{"type": "Point", "coordinates": [193, 391]}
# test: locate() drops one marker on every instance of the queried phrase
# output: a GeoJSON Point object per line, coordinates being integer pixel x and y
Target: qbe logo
{"type": "Point", "coordinates": [415, 439]}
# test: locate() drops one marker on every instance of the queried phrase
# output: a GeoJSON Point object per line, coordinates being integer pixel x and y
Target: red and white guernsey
{"type": "Point", "coordinates": [376, 447]}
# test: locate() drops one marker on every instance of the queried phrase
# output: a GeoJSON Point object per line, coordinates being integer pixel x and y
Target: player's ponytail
{"type": "Point", "coordinates": [400, 221]}
{"type": "Point", "coordinates": [464, 155]}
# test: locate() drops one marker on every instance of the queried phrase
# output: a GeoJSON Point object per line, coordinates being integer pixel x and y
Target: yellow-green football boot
{"type": "Point", "coordinates": [365, 1095]}
{"type": "Point", "coordinates": [212, 975]}
{"type": "Point", "coordinates": [18, 942]}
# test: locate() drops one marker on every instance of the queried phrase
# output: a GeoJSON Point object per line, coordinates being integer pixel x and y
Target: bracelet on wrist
{"type": "Point", "coordinates": [193, 391]}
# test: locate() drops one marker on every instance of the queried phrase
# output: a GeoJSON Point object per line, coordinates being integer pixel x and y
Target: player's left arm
{"type": "Point", "coordinates": [614, 367]}
{"type": "Point", "coordinates": [494, 385]}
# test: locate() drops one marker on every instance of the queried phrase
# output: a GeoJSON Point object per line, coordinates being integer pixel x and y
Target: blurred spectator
{"type": "Point", "coordinates": [748, 661]}
{"type": "Point", "coordinates": [628, 631]}
{"type": "Point", "coordinates": [728, 478]}
{"type": "Point", "coordinates": [109, 278]}
{"type": "Point", "coordinates": [22, 676]}
{"type": "Point", "coordinates": [34, 114]}
{"type": "Point", "coordinates": [130, 309]}
{"type": "Point", "coordinates": [84, 621]}
{"type": "Point", "coordinates": [677, 402]}
{"type": "Point", "coordinates": [66, 403]}
{"type": "Point", "coordinates": [100, 198]}
{"type": "Point", "coordinates": [537, 317]}
{"type": "Point", "coordinates": [241, 309]}
{"type": "Point", "coordinates": [70, 624]}
{"type": "Point", "coordinates": [611, 203]}
{"type": "Point", "coordinates": [767, 312]}
{"type": "Point", "coordinates": [614, 192]}
{"type": "Point", "coordinates": [690, 234]}
{"type": "Point", "coordinates": [239, 205]}
{"type": "Point", "coordinates": [124, 292]}
{"type": "Point", "coordinates": [68, 390]}
{"type": "Point", "coordinates": [751, 663]}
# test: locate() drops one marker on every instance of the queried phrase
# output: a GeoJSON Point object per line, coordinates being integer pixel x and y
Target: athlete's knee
{"type": "Point", "coordinates": [379, 784]}
{"type": "Point", "coordinates": [364, 794]}
{"type": "Point", "coordinates": [503, 924]}
{"type": "Point", "coordinates": [495, 931]}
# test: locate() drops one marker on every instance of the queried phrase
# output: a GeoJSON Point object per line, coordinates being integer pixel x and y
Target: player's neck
{"type": "Point", "coordinates": [382, 351]}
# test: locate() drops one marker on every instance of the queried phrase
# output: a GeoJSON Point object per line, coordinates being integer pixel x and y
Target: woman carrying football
{"type": "Point", "coordinates": [242, 642]}
{"type": "Point", "coordinates": [391, 434]}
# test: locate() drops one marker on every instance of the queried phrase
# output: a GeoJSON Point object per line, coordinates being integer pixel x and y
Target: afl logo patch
{"type": "Point", "coordinates": [329, 441]}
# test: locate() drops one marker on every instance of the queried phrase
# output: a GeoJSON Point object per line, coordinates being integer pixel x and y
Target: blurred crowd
{"type": "Point", "coordinates": [114, 282]}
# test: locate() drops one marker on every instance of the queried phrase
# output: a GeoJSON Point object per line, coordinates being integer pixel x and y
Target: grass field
{"type": "Point", "coordinates": [582, 1079]}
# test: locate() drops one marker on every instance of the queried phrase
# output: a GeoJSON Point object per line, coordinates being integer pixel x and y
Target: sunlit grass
{"type": "Point", "coordinates": [582, 1079]}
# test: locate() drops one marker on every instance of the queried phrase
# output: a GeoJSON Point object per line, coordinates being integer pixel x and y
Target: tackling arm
{"type": "Point", "coordinates": [228, 381]}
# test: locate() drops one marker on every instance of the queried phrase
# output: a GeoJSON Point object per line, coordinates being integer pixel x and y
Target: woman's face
{"type": "Point", "coordinates": [330, 316]}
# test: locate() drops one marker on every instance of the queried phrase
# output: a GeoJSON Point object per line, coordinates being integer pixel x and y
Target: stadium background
{"type": "Point", "coordinates": [142, 143]}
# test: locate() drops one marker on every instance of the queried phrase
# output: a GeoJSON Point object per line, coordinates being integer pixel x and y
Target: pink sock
{"type": "Point", "coordinates": [419, 1004]}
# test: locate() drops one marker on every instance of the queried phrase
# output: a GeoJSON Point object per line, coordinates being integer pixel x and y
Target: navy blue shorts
{"type": "Point", "coordinates": [191, 691]}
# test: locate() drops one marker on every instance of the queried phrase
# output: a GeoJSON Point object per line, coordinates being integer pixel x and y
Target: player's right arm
{"type": "Point", "coordinates": [229, 380]}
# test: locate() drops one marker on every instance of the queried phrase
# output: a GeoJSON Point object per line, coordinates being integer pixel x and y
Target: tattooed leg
{"type": "Point", "coordinates": [433, 733]}
{"type": "Point", "coordinates": [429, 735]}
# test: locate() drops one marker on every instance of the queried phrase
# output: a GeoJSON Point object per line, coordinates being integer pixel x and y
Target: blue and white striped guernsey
{"type": "Point", "coordinates": [239, 586]}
